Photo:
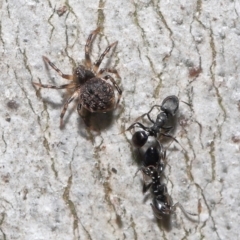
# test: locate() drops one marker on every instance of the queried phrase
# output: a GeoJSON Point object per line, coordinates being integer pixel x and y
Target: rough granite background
{"type": "Point", "coordinates": [78, 183]}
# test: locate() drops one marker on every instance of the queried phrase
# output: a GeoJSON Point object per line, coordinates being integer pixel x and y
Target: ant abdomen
{"type": "Point", "coordinates": [139, 138]}
{"type": "Point", "coordinates": [151, 157]}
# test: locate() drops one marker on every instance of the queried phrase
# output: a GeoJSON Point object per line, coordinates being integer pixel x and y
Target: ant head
{"type": "Point", "coordinates": [139, 138]}
{"type": "Point", "coordinates": [170, 105]}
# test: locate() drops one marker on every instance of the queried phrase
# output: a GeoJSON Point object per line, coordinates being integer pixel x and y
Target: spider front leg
{"type": "Point", "coordinates": [75, 94]}
{"type": "Point", "coordinates": [99, 61]}
{"type": "Point", "coordinates": [71, 85]}
{"type": "Point", "coordinates": [88, 47]}
{"type": "Point", "coordinates": [68, 77]}
{"type": "Point", "coordinates": [115, 85]}
{"type": "Point", "coordinates": [108, 70]}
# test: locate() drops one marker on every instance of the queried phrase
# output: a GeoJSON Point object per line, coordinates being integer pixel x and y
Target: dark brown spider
{"type": "Point", "coordinates": [91, 89]}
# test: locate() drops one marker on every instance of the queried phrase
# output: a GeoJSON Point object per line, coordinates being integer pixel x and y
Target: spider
{"type": "Point", "coordinates": [89, 86]}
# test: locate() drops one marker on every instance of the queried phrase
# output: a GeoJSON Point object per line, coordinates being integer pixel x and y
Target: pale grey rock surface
{"type": "Point", "coordinates": [74, 183]}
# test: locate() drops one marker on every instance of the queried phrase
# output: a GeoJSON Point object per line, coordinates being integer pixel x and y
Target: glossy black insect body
{"type": "Point", "coordinates": [162, 203]}
{"type": "Point", "coordinates": [168, 108]}
{"type": "Point", "coordinates": [154, 156]}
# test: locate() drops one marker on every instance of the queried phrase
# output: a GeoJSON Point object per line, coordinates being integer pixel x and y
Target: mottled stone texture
{"type": "Point", "coordinates": [74, 183]}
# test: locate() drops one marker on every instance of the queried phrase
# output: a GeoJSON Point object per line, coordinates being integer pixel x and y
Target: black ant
{"type": "Point", "coordinates": [162, 203]}
{"type": "Point", "coordinates": [168, 108]}
{"type": "Point", "coordinates": [154, 156]}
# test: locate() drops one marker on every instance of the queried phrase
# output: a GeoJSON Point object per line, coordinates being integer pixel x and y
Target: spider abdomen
{"type": "Point", "coordinates": [97, 95]}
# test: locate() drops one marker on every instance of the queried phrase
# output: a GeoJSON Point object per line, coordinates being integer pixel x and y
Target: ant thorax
{"type": "Point", "coordinates": [151, 142]}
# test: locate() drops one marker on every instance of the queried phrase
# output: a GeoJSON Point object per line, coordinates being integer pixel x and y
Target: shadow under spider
{"type": "Point", "coordinates": [97, 121]}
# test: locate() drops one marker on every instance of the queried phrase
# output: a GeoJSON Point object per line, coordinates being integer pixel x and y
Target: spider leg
{"type": "Point", "coordinates": [109, 70]}
{"type": "Point", "coordinates": [98, 62]}
{"type": "Point", "coordinates": [53, 86]}
{"type": "Point", "coordinates": [75, 94]}
{"type": "Point", "coordinates": [115, 85]}
{"type": "Point", "coordinates": [68, 77]}
{"type": "Point", "coordinates": [88, 46]}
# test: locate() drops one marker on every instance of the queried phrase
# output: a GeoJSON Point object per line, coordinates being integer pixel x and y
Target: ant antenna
{"type": "Point", "coordinates": [173, 139]}
{"type": "Point", "coordinates": [189, 104]}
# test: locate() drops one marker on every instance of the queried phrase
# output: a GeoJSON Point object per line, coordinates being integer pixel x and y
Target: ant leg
{"type": "Point", "coordinates": [146, 187]}
{"type": "Point", "coordinates": [53, 86]}
{"type": "Point", "coordinates": [161, 150]}
{"type": "Point", "coordinates": [68, 77]}
{"type": "Point", "coordinates": [163, 156]}
{"type": "Point", "coordinates": [79, 107]}
{"type": "Point", "coordinates": [115, 85]}
{"type": "Point", "coordinates": [148, 113]}
{"type": "Point", "coordinates": [139, 125]}
{"type": "Point", "coordinates": [182, 209]}
{"type": "Point", "coordinates": [75, 94]}
{"type": "Point", "coordinates": [132, 126]}
{"type": "Point", "coordinates": [98, 62]}
{"type": "Point", "coordinates": [174, 139]}
{"type": "Point", "coordinates": [167, 128]}
{"type": "Point", "coordinates": [88, 46]}
{"type": "Point", "coordinates": [189, 104]}
{"type": "Point", "coordinates": [137, 172]}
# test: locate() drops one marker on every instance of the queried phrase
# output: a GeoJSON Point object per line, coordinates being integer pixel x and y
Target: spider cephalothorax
{"type": "Point", "coordinates": [89, 86]}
